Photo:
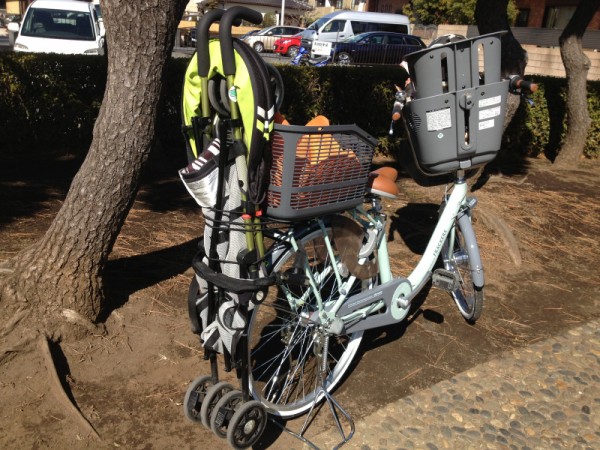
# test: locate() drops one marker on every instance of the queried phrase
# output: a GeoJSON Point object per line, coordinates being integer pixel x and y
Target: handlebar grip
{"type": "Point", "coordinates": [396, 111]}
{"type": "Point", "coordinates": [202, 30]}
{"type": "Point", "coordinates": [518, 83]}
{"type": "Point", "coordinates": [528, 86]}
{"type": "Point", "coordinates": [239, 13]}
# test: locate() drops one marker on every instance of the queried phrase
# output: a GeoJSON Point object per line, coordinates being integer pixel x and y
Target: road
{"type": "Point", "coordinates": [178, 52]}
{"type": "Point", "coordinates": [272, 58]}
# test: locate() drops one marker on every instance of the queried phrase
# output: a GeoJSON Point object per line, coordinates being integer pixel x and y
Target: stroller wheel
{"type": "Point", "coordinates": [194, 397]}
{"type": "Point", "coordinates": [213, 395]}
{"type": "Point", "coordinates": [224, 411]}
{"type": "Point", "coordinates": [247, 425]}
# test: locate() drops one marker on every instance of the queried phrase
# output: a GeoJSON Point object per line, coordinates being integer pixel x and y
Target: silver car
{"type": "Point", "coordinates": [263, 40]}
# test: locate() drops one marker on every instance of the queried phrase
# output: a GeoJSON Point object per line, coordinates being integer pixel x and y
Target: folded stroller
{"type": "Point", "coordinates": [229, 99]}
{"type": "Point", "coordinates": [259, 180]}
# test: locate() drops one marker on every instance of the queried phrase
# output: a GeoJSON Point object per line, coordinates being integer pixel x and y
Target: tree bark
{"type": "Point", "coordinates": [577, 65]}
{"type": "Point", "coordinates": [59, 279]}
{"type": "Point", "coordinates": [492, 16]}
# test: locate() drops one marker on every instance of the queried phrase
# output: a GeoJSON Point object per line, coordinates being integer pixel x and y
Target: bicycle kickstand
{"type": "Point", "coordinates": [335, 408]}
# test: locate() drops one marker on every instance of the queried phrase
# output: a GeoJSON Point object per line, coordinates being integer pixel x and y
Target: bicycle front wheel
{"type": "Point", "coordinates": [461, 256]}
{"type": "Point", "coordinates": [288, 348]}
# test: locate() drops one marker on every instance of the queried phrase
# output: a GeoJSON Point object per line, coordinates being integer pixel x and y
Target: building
{"type": "Point", "coordinates": [17, 7]}
{"type": "Point", "coordinates": [550, 14]}
{"type": "Point", "coordinates": [291, 8]}
{"type": "Point", "coordinates": [554, 14]}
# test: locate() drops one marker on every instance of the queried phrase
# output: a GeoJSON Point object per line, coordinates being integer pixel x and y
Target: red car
{"type": "Point", "coordinates": [287, 46]}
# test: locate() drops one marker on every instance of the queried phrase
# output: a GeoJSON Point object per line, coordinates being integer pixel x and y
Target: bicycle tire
{"type": "Point", "coordinates": [284, 344]}
{"type": "Point", "coordinates": [464, 260]}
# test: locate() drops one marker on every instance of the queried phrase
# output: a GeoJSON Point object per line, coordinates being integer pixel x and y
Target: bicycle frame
{"type": "Point", "coordinates": [394, 294]}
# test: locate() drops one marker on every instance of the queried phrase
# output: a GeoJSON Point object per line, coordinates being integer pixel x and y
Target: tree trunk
{"type": "Point", "coordinates": [577, 65]}
{"type": "Point", "coordinates": [59, 279]}
{"type": "Point", "coordinates": [492, 16]}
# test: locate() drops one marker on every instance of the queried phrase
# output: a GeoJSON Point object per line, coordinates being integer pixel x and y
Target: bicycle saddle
{"type": "Point", "coordinates": [383, 182]}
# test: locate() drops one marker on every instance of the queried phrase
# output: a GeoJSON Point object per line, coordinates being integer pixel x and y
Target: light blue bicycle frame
{"type": "Point", "coordinates": [348, 314]}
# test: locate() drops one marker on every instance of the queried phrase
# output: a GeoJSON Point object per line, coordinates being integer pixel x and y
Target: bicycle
{"type": "Point", "coordinates": [322, 274]}
{"type": "Point", "coordinates": [346, 290]}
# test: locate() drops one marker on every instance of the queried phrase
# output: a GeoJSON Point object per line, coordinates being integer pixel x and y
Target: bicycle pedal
{"type": "Point", "coordinates": [445, 280]}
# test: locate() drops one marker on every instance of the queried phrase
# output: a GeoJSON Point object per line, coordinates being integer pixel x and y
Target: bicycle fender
{"type": "Point", "coordinates": [464, 223]}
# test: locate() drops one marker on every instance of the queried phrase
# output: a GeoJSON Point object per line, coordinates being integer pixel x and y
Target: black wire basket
{"type": "Point", "coordinates": [318, 170]}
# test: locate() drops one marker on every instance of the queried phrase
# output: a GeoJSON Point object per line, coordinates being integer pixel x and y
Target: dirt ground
{"type": "Point", "coordinates": [538, 230]}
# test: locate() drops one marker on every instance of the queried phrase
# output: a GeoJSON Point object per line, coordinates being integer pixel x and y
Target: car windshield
{"type": "Point", "coordinates": [317, 24]}
{"type": "Point", "coordinates": [250, 33]}
{"type": "Point", "coordinates": [58, 24]}
{"type": "Point", "coordinates": [355, 38]}
{"type": "Point", "coordinates": [264, 31]}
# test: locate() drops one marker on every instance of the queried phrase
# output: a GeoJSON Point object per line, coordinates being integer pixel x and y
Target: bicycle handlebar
{"type": "Point", "coordinates": [401, 98]}
{"type": "Point", "coordinates": [518, 84]}
{"type": "Point", "coordinates": [397, 111]}
{"type": "Point", "coordinates": [231, 16]}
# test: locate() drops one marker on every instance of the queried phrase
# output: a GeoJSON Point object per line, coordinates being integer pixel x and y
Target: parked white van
{"type": "Point", "coordinates": [60, 26]}
{"type": "Point", "coordinates": [340, 25]}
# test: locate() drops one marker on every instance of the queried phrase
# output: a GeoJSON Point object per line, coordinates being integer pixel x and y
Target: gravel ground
{"type": "Point", "coordinates": [545, 396]}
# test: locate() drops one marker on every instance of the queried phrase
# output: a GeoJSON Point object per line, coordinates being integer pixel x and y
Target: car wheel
{"type": "Point", "coordinates": [292, 51]}
{"type": "Point", "coordinates": [344, 59]}
{"type": "Point", "coordinates": [258, 47]}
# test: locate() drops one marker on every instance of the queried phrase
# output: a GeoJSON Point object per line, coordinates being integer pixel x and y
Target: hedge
{"type": "Point", "coordinates": [544, 121]}
{"type": "Point", "coordinates": [50, 102]}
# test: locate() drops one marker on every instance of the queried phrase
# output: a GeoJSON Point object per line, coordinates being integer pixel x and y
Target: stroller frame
{"type": "Point", "coordinates": [229, 100]}
{"type": "Point", "coordinates": [206, 394]}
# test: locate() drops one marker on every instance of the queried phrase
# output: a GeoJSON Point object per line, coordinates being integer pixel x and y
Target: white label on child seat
{"type": "Point", "coordinates": [489, 101]}
{"type": "Point", "coordinates": [321, 48]}
{"type": "Point", "coordinates": [486, 124]}
{"type": "Point", "coordinates": [489, 113]}
{"type": "Point", "coordinates": [439, 120]}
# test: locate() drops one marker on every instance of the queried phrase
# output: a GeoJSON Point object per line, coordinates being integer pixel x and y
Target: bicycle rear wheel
{"type": "Point", "coordinates": [287, 345]}
{"type": "Point", "coordinates": [460, 254]}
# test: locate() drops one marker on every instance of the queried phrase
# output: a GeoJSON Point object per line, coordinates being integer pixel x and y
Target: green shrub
{"type": "Point", "coordinates": [539, 128]}
{"type": "Point", "coordinates": [50, 102]}
{"type": "Point", "coordinates": [592, 144]}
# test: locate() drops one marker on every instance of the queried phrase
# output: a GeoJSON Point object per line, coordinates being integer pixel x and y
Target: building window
{"type": "Point", "coordinates": [558, 16]}
{"type": "Point", "coordinates": [522, 19]}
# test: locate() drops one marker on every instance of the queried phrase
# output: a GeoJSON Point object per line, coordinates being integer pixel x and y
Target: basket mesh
{"type": "Point", "coordinates": [317, 172]}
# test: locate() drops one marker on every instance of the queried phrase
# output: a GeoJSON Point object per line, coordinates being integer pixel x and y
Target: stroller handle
{"type": "Point", "coordinates": [202, 37]}
{"type": "Point", "coordinates": [229, 19]}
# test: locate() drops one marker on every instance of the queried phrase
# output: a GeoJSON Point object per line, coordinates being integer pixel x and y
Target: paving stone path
{"type": "Point", "coordinates": [545, 396]}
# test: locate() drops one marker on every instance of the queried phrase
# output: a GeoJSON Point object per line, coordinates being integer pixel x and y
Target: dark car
{"type": "Point", "coordinates": [376, 47]}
